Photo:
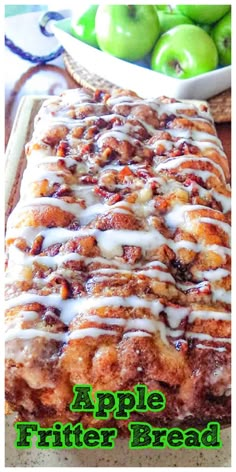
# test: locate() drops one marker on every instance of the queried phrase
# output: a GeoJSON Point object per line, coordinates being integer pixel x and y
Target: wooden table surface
{"type": "Point", "coordinates": [23, 78]}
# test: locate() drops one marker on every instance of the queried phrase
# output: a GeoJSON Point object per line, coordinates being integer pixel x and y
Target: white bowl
{"type": "Point", "coordinates": [144, 81]}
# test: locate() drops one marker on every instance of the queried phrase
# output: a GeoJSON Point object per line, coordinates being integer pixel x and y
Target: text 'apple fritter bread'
{"type": "Point", "coordinates": [118, 268]}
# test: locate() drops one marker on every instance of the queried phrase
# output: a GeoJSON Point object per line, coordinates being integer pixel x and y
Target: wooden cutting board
{"type": "Point", "coordinates": [15, 154]}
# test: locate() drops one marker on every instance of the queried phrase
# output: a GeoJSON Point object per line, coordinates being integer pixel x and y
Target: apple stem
{"type": "Point", "coordinates": [178, 68]}
{"type": "Point", "coordinates": [176, 65]}
{"type": "Point", "coordinates": [132, 11]}
{"type": "Point", "coordinates": [227, 42]}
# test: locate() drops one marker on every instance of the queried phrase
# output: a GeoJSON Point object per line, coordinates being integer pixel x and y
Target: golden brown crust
{"type": "Point", "coordinates": [119, 260]}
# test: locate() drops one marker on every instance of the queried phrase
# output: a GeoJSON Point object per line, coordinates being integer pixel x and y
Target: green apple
{"type": "Point", "coordinates": [184, 51]}
{"type": "Point", "coordinates": [170, 19]}
{"type": "Point", "coordinates": [206, 27]}
{"type": "Point", "coordinates": [127, 31]}
{"type": "Point", "coordinates": [83, 24]}
{"type": "Point", "coordinates": [221, 34]}
{"type": "Point", "coordinates": [163, 8]}
{"type": "Point", "coordinates": [205, 14]}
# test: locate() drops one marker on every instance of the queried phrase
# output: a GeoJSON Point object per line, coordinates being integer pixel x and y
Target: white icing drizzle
{"type": "Point", "coordinates": [84, 215]}
{"type": "Point", "coordinates": [29, 233]}
{"type": "Point", "coordinates": [137, 334]}
{"type": "Point", "coordinates": [203, 174]}
{"type": "Point", "coordinates": [152, 273]}
{"type": "Point", "coordinates": [41, 174]}
{"type": "Point", "coordinates": [203, 346]}
{"type": "Point", "coordinates": [189, 286]}
{"type": "Point", "coordinates": [57, 119]}
{"type": "Point", "coordinates": [33, 333]}
{"type": "Point", "coordinates": [22, 259]}
{"type": "Point", "coordinates": [221, 224]}
{"type": "Point", "coordinates": [176, 333]}
{"type": "Point", "coordinates": [71, 307]}
{"type": "Point", "coordinates": [212, 275]}
{"type": "Point", "coordinates": [175, 316]}
{"type": "Point", "coordinates": [61, 235]}
{"type": "Point", "coordinates": [160, 274]}
{"type": "Point", "coordinates": [141, 324]}
{"type": "Point", "coordinates": [176, 217]}
{"type": "Point", "coordinates": [206, 337]}
{"type": "Point", "coordinates": [193, 134]}
{"type": "Point", "coordinates": [163, 108]}
{"type": "Point", "coordinates": [202, 145]}
{"type": "Point", "coordinates": [76, 122]}
{"type": "Point", "coordinates": [36, 158]}
{"type": "Point", "coordinates": [61, 337]}
{"type": "Point", "coordinates": [29, 334]}
{"type": "Point", "coordinates": [53, 261]}
{"type": "Point", "coordinates": [144, 324]}
{"type": "Point", "coordinates": [111, 241]}
{"type": "Point", "coordinates": [73, 208]}
{"type": "Point", "coordinates": [221, 250]}
{"type": "Point", "coordinates": [108, 321]}
{"type": "Point", "coordinates": [174, 163]}
{"type": "Point", "coordinates": [29, 315]}
{"type": "Point", "coordinates": [209, 315]}
{"type": "Point", "coordinates": [119, 133]}
{"type": "Point", "coordinates": [223, 200]}
{"type": "Point", "coordinates": [222, 295]}
{"type": "Point", "coordinates": [93, 332]}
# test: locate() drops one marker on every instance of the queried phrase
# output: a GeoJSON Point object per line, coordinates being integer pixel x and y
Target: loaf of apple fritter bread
{"type": "Point", "coordinates": [118, 268]}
